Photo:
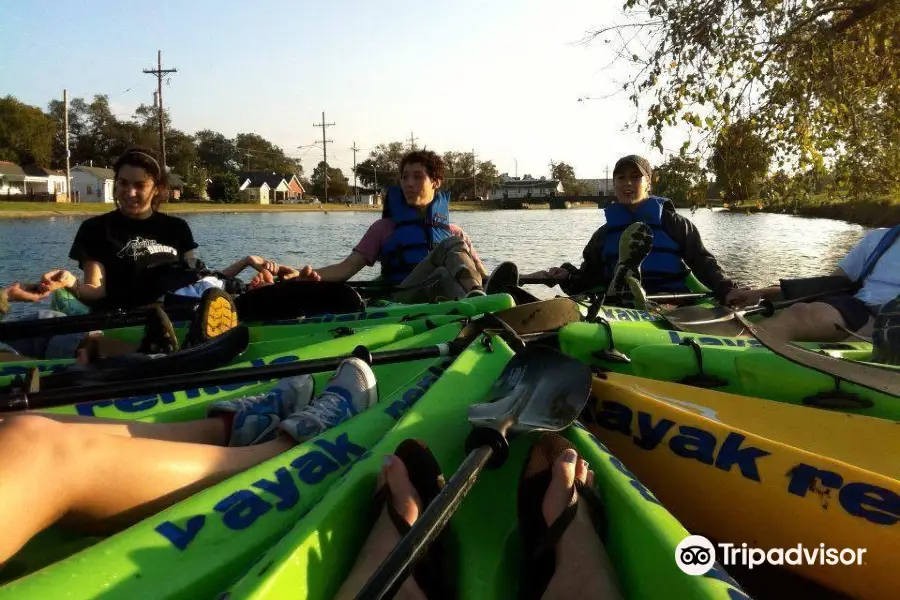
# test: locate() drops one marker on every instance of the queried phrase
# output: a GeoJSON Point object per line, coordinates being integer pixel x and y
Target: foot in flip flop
{"type": "Point", "coordinates": [215, 315]}
{"type": "Point", "coordinates": [561, 522]}
{"type": "Point", "coordinates": [635, 245]}
{"type": "Point", "coordinates": [409, 480]}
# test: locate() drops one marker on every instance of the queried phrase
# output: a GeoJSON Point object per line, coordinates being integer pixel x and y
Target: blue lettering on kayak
{"type": "Point", "coordinates": [689, 442]}
{"type": "Point", "coordinates": [629, 314]}
{"type": "Point", "coordinates": [418, 389]}
{"type": "Point", "coordinates": [242, 508]}
{"type": "Point", "coordinates": [873, 503]}
{"type": "Point", "coordinates": [870, 502]}
{"type": "Point", "coordinates": [137, 404]}
{"type": "Point", "coordinates": [13, 370]}
{"type": "Point", "coordinates": [735, 342]}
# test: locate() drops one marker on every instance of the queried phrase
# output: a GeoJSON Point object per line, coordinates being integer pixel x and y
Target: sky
{"type": "Point", "coordinates": [502, 77]}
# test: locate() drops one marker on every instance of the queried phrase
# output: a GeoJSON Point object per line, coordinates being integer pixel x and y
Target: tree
{"type": "Point", "coordinates": [740, 161]}
{"type": "Point", "coordinates": [337, 183]}
{"type": "Point", "coordinates": [224, 187]}
{"type": "Point", "coordinates": [820, 77]}
{"type": "Point", "coordinates": [256, 153]}
{"type": "Point", "coordinates": [26, 133]}
{"type": "Point", "coordinates": [681, 179]}
{"type": "Point", "coordinates": [565, 174]}
{"type": "Point", "coordinates": [383, 163]}
{"type": "Point", "coordinates": [216, 152]}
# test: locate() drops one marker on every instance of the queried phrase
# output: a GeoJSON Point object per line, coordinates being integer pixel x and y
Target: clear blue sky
{"type": "Point", "coordinates": [500, 76]}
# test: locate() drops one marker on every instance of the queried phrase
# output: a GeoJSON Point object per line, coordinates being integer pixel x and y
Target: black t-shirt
{"type": "Point", "coordinates": [143, 258]}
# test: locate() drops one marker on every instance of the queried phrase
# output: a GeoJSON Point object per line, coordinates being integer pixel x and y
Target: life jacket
{"type": "Point", "coordinates": [663, 270]}
{"type": "Point", "coordinates": [887, 240]}
{"type": "Point", "coordinates": [414, 235]}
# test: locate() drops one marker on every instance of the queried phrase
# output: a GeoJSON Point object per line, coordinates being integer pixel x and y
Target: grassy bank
{"type": "Point", "coordinates": [18, 210]}
{"type": "Point", "coordinates": [880, 212]}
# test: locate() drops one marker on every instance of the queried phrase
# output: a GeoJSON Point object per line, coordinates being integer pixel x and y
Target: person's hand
{"type": "Point", "coordinates": [743, 297]}
{"type": "Point", "coordinates": [285, 272]}
{"type": "Point", "coordinates": [56, 280]}
{"type": "Point", "coordinates": [262, 278]}
{"type": "Point", "coordinates": [25, 292]}
{"type": "Point", "coordinates": [262, 264]}
{"type": "Point", "coordinates": [559, 273]}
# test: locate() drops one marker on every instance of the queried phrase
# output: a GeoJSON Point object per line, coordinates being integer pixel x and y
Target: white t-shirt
{"type": "Point", "coordinates": [883, 283]}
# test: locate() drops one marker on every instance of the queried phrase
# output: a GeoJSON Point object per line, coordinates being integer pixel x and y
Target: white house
{"type": "Point", "coordinates": [32, 181]}
{"type": "Point", "coordinates": [256, 192]}
{"type": "Point", "coordinates": [598, 187]}
{"type": "Point", "coordinates": [93, 184]}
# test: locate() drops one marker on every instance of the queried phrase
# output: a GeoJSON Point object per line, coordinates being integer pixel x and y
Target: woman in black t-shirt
{"type": "Point", "coordinates": [135, 254]}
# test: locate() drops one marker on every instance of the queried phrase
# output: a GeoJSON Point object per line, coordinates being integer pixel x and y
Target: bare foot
{"type": "Point", "coordinates": [384, 535]}
{"type": "Point", "coordinates": [583, 569]}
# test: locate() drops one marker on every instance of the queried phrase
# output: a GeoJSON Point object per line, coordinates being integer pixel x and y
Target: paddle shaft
{"type": "Point", "coordinates": [394, 570]}
{"type": "Point", "coordinates": [14, 330]}
{"type": "Point", "coordinates": [157, 385]}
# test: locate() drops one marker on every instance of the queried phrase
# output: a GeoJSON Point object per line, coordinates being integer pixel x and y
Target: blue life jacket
{"type": "Point", "coordinates": [886, 242]}
{"type": "Point", "coordinates": [663, 270]}
{"type": "Point", "coordinates": [415, 235]}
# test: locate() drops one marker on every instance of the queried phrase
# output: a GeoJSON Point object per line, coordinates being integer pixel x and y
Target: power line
{"type": "Point", "coordinates": [159, 72]}
{"type": "Point", "coordinates": [324, 125]}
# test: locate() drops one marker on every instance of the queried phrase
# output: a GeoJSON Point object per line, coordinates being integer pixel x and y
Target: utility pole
{"type": "Point", "coordinates": [412, 141]}
{"type": "Point", "coordinates": [607, 179]}
{"type": "Point", "coordinates": [324, 125]}
{"type": "Point", "coordinates": [516, 160]}
{"type": "Point", "coordinates": [474, 170]}
{"type": "Point", "coordinates": [355, 188]}
{"type": "Point", "coordinates": [160, 72]}
{"type": "Point", "coordinates": [68, 166]}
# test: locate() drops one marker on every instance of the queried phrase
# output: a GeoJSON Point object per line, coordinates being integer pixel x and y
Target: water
{"type": "Point", "coordinates": [754, 249]}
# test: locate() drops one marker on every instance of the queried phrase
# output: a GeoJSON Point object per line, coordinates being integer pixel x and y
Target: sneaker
{"type": "Point", "coordinates": [886, 334]}
{"type": "Point", "coordinates": [635, 245]}
{"type": "Point", "coordinates": [159, 335]}
{"type": "Point", "coordinates": [215, 315]}
{"type": "Point", "coordinates": [504, 277]}
{"type": "Point", "coordinates": [351, 390]}
{"type": "Point", "coordinates": [256, 418]}
{"type": "Point", "coordinates": [475, 292]}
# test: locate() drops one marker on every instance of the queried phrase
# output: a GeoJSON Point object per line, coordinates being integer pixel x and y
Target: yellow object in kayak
{"type": "Point", "coordinates": [765, 475]}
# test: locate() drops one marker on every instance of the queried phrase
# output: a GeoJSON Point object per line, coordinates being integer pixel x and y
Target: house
{"type": "Point", "coordinates": [362, 196]}
{"type": "Point", "coordinates": [264, 187]}
{"type": "Point", "coordinates": [295, 188]}
{"type": "Point", "coordinates": [93, 184]}
{"type": "Point", "coordinates": [176, 186]}
{"type": "Point", "coordinates": [34, 182]}
{"type": "Point", "coordinates": [527, 187]}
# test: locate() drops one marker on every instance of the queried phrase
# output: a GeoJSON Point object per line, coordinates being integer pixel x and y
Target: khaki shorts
{"type": "Point", "coordinates": [448, 272]}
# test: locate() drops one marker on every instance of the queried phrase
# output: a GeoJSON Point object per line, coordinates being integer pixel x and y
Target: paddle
{"type": "Point", "coordinates": [286, 300]}
{"type": "Point", "coordinates": [539, 390]}
{"type": "Point", "coordinates": [517, 321]}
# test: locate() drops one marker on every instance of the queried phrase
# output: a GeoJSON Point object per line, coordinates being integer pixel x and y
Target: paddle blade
{"type": "Point", "coordinates": [534, 317]}
{"type": "Point", "coordinates": [540, 389]}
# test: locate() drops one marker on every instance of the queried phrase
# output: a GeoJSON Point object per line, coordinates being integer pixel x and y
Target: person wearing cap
{"type": "Point", "coordinates": [672, 252]}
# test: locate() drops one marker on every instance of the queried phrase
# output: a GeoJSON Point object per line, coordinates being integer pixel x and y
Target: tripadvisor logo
{"type": "Point", "coordinates": [696, 555]}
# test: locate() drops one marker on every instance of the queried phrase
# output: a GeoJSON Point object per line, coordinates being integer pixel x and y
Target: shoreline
{"type": "Point", "coordinates": [34, 210]}
{"type": "Point", "coordinates": [872, 213]}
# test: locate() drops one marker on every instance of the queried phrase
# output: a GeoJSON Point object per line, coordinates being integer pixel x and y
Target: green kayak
{"type": "Point", "coordinates": [292, 526]}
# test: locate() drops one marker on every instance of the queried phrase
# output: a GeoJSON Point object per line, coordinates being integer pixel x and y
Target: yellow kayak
{"type": "Point", "coordinates": [767, 475]}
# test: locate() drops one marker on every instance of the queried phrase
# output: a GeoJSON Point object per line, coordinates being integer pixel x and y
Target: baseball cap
{"type": "Point", "coordinates": [640, 162]}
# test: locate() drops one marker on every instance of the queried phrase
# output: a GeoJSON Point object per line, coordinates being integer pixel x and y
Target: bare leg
{"type": "Point", "coordinates": [204, 431]}
{"type": "Point", "coordinates": [806, 322]}
{"type": "Point", "coordinates": [583, 569]}
{"type": "Point", "coordinates": [101, 482]}
{"type": "Point", "coordinates": [384, 536]}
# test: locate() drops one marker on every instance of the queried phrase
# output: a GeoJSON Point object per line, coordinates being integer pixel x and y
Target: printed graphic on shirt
{"type": "Point", "coordinates": [139, 248]}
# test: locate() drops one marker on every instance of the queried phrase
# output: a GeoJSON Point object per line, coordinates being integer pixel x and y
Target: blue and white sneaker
{"type": "Point", "coordinates": [351, 390]}
{"type": "Point", "coordinates": [256, 418]}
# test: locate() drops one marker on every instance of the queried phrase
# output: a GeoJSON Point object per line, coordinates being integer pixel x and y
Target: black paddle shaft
{"type": "Point", "coordinates": [156, 385]}
{"type": "Point", "coordinates": [394, 570]}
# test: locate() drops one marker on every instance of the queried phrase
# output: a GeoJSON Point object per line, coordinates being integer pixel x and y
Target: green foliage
{"type": "Point", "coordinates": [215, 152]}
{"type": "Point", "coordinates": [820, 79]}
{"type": "Point", "coordinates": [256, 153]}
{"type": "Point", "coordinates": [337, 183]}
{"type": "Point", "coordinates": [224, 187]}
{"type": "Point", "coordinates": [565, 174]}
{"type": "Point", "coordinates": [740, 161]}
{"type": "Point", "coordinates": [26, 133]}
{"type": "Point", "coordinates": [681, 179]}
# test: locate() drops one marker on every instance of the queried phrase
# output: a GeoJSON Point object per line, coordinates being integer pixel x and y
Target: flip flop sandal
{"type": "Point", "coordinates": [635, 245]}
{"type": "Point", "coordinates": [538, 540]}
{"type": "Point", "coordinates": [427, 479]}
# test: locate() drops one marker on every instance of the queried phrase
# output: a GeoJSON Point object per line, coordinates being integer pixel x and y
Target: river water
{"type": "Point", "coordinates": [755, 249]}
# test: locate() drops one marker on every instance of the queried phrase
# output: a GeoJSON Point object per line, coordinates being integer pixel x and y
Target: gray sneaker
{"type": "Point", "coordinates": [886, 334]}
{"type": "Point", "coordinates": [256, 418]}
{"type": "Point", "coordinates": [351, 390]}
